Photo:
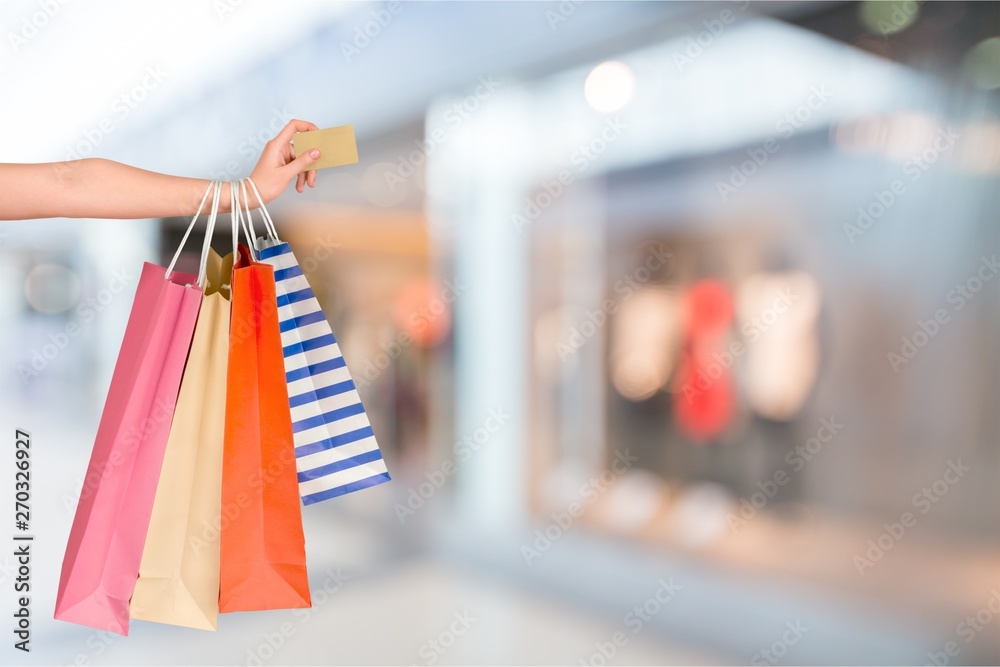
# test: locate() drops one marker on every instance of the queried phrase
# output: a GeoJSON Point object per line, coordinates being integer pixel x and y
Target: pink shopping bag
{"type": "Point", "coordinates": [105, 543]}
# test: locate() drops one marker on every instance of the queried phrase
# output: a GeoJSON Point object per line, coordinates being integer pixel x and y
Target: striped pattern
{"type": "Point", "coordinates": [335, 447]}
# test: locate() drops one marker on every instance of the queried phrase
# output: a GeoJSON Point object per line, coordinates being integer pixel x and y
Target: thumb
{"type": "Point", "coordinates": [303, 162]}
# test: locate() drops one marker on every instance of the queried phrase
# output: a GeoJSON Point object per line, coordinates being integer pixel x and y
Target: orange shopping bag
{"type": "Point", "coordinates": [263, 558]}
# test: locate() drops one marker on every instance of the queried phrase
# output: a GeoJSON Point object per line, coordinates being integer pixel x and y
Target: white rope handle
{"type": "Point", "coordinates": [187, 233]}
{"type": "Point", "coordinates": [268, 222]}
{"type": "Point", "coordinates": [246, 207]}
{"type": "Point", "coordinates": [252, 234]}
{"type": "Point", "coordinates": [247, 230]}
{"type": "Point", "coordinates": [235, 215]}
{"type": "Point", "coordinates": [209, 230]}
{"type": "Point", "coordinates": [236, 228]}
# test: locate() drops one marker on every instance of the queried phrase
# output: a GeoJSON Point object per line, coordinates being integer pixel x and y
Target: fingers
{"type": "Point", "coordinates": [302, 162]}
{"type": "Point", "coordinates": [280, 155]}
{"type": "Point", "coordinates": [285, 136]}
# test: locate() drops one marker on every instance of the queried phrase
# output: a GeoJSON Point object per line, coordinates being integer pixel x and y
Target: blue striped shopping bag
{"type": "Point", "coordinates": [335, 447]}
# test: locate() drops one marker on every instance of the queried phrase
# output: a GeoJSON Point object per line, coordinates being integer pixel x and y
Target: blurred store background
{"type": "Point", "coordinates": [677, 322]}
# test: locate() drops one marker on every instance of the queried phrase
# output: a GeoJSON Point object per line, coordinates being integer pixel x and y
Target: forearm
{"type": "Point", "coordinates": [97, 188]}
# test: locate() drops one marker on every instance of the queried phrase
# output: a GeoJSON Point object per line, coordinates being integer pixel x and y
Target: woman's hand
{"type": "Point", "coordinates": [278, 165]}
{"type": "Point", "coordinates": [98, 188]}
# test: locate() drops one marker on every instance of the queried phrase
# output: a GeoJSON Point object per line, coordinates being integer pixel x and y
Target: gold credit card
{"type": "Point", "coordinates": [336, 145]}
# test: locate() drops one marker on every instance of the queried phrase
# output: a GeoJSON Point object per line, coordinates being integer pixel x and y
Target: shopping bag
{"type": "Point", "coordinates": [263, 564]}
{"type": "Point", "coordinates": [335, 447]}
{"type": "Point", "coordinates": [179, 574]}
{"type": "Point", "coordinates": [105, 543]}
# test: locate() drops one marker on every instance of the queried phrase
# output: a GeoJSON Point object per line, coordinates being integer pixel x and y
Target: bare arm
{"type": "Point", "coordinates": [97, 188]}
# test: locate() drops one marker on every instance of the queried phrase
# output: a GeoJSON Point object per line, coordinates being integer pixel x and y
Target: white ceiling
{"type": "Point", "coordinates": [230, 75]}
{"type": "Point", "coordinates": [69, 74]}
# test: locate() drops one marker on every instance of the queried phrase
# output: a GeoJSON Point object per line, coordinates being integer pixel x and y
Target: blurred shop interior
{"type": "Point", "coordinates": [632, 292]}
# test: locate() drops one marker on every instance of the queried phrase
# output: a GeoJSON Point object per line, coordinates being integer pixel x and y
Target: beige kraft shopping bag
{"type": "Point", "coordinates": [179, 574]}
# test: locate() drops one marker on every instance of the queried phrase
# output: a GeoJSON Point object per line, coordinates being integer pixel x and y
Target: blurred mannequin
{"type": "Point", "coordinates": [704, 392]}
{"type": "Point", "coordinates": [777, 312]}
